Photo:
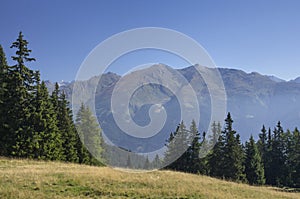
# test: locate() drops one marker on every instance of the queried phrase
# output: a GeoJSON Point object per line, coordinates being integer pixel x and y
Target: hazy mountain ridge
{"type": "Point", "coordinates": [297, 80]}
{"type": "Point", "coordinates": [252, 98]}
{"type": "Point", "coordinates": [275, 79]}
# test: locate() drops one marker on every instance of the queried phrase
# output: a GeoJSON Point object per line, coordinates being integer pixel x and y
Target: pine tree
{"type": "Point", "coordinates": [4, 130]}
{"type": "Point", "coordinates": [128, 162]}
{"type": "Point", "coordinates": [216, 157]}
{"type": "Point", "coordinates": [170, 153]}
{"type": "Point", "coordinates": [156, 163]}
{"type": "Point", "coordinates": [262, 142]}
{"type": "Point", "coordinates": [90, 134]}
{"type": "Point", "coordinates": [288, 140]}
{"type": "Point", "coordinates": [194, 162]}
{"type": "Point", "coordinates": [83, 154]}
{"type": "Point", "coordinates": [216, 130]}
{"type": "Point", "coordinates": [176, 156]}
{"type": "Point", "coordinates": [267, 157]}
{"type": "Point", "coordinates": [45, 141]}
{"type": "Point", "coordinates": [3, 76]}
{"type": "Point", "coordinates": [147, 164]}
{"type": "Point", "coordinates": [65, 125]}
{"type": "Point", "coordinates": [21, 86]}
{"type": "Point", "coordinates": [253, 164]}
{"type": "Point", "coordinates": [233, 167]}
{"type": "Point", "coordinates": [293, 159]}
{"type": "Point", "coordinates": [277, 169]}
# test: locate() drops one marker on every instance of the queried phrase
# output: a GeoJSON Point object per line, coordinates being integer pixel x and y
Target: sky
{"type": "Point", "coordinates": [261, 36]}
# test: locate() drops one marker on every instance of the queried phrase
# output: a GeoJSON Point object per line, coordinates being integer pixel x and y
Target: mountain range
{"type": "Point", "coordinates": [252, 99]}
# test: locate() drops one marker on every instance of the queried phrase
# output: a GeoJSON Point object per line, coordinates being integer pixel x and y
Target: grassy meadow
{"type": "Point", "coordinates": [39, 179]}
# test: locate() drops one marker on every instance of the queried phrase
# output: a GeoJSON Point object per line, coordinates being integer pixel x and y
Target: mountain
{"type": "Point", "coordinates": [297, 80]}
{"type": "Point", "coordinates": [274, 78]}
{"type": "Point", "coordinates": [253, 100]}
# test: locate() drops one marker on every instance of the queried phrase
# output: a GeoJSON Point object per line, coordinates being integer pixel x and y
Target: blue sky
{"type": "Point", "coordinates": [261, 36]}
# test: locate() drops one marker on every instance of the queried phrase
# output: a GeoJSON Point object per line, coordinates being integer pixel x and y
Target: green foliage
{"type": "Point", "coordinates": [216, 130]}
{"type": "Point", "coordinates": [277, 168]}
{"type": "Point", "coordinates": [147, 164]}
{"type": "Point", "coordinates": [45, 141]}
{"type": "Point", "coordinates": [178, 143]}
{"type": "Point", "coordinates": [262, 144]}
{"type": "Point", "coordinates": [216, 157]}
{"type": "Point", "coordinates": [293, 157]}
{"type": "Point", "coordinates": [156, 162]}
{"type": "Point", "coordinates": [34, 124]}
{"type": "Point", "coordinates": [254, 168]}
{"type": "Point", "coordinates": [22, 84]}
{"type": "Point", "coordinates": [4, 131]}
{"type": "Point", "coordinates": [194, 150]}
{"type": "Point", "coordinates": [66, 127]}
{"type": "Point", "coordinates": [226, 160]}
{"type": "Point", "coordinates": [233, 153]}
{"type": "Point", "coordinates": [90, 135]}
{"type": "Point", "coordinates": [129, 163]}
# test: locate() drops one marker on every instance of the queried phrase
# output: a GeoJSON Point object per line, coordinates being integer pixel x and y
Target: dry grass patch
{"type": "Point", "coordinates": [38, 179]}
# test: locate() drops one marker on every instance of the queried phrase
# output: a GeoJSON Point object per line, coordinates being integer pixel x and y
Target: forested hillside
{"type": "Point", "coordinates": [35, 124]}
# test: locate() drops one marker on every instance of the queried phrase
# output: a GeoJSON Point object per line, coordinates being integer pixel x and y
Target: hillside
{"type": "Point", "coordinates": [38, 179]}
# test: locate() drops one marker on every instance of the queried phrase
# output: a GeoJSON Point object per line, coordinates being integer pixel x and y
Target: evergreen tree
{"type": "Point", "coordinates": [203, 155]}
{"type": "Point", "coordinates": [193, 151]}
{"type": "Point", "coordinates": [262, 142]}
{"type": "Point", "coordinates": [233, 167]}
{"type": "Point", "coordinates": [3, 75]}
{"type": "Point", "coordinates": [21, 86]}
{"type": "Point", "coordinates": [216, 130]}
{"type": "Point", "coordinates": [128, 162]}
{"type": "Point", "coordinates": [84, 156]}
{"type": "Point", "coordinates": [156, 162]}
{"type": "Point", "coordinates": [45, 142]}
{"type": "Point", "coordinates": [216, 157]}
{"type": "Point", "coordinates": [178, 143]}
{"type": "Point", "coordinates": [90, 134]}
{"type": "Point", "coordinates": [267, 157]}
{"type": "Point", "coordinates": [253, 164]}
{"type": "Point", "coordinates": [146, 164]}
{"type": "Point", "coordinates": [237, 156]}
{"type": "Point", "coordinates": [293, 159]}
{"type": "Point", "coordinates": [288, 140]}
{"type": "Point", "coordinates": [4, 130]}
{"type": "Point", "coordinates": [170, 153]}
{"type": "Point", "coordinates": [65, 125]}
{"type": "Point", "coordinates": [277, 168]}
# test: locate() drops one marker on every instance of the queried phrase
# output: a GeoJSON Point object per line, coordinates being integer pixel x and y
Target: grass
{"type": "Point", "coordinates": [39, 179]}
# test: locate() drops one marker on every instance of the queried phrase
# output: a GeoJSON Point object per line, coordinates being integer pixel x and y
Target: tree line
{"type": "Point", "coordinates": [39, 125]}
{"type": "Point", "coordinates": [274, 159]}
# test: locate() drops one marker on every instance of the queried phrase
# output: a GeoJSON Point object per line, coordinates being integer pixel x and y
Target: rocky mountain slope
{"type": "Point", "coordinates": [253, 100]}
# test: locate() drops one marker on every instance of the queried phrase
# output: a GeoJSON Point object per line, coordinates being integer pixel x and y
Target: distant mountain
{"type": "Point", "coordinates": [253, 100]}
{"type": "Point", "coordinates": [297, 80]}
{"type": "Point", "coordinates": [274, 78]}
{"type": "Point", "coordinates": [62, 84]}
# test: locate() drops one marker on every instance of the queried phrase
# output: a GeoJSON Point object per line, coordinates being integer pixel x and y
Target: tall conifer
{"type": "Point", "coordinates": [253, 164]}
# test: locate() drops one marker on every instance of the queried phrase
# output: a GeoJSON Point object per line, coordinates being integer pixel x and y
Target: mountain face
{"type": "Point", "coordinates": [253, 100]}
{"type": "Point", "coordinates": [297, 80]}
{"type": "Point", "coordinates": [274, 78]}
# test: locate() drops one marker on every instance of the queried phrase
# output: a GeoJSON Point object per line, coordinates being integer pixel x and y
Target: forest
{"type": "Point", "coordinates": [39, 125]}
